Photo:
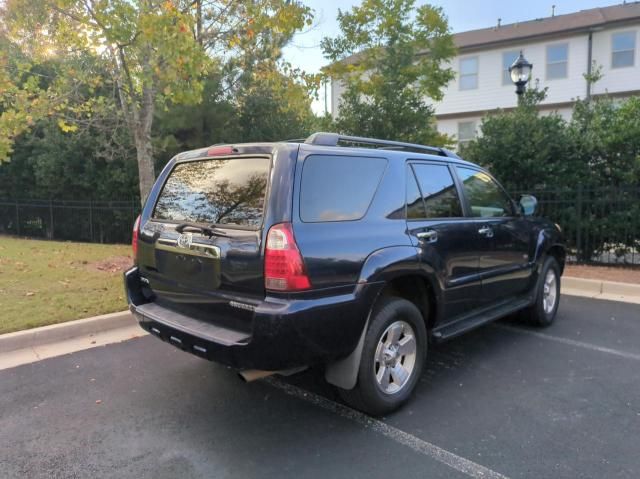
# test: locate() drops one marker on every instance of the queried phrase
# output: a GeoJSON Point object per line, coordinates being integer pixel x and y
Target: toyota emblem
{"type": "Point", "coordinates": [184, 240]}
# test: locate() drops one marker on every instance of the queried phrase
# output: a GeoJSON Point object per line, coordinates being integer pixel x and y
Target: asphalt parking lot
{"type": "Point", "coordinates": [503, 401]}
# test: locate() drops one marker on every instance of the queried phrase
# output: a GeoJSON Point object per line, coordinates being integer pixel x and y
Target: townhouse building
{"type": "Point", "coordinates": [562, 49]}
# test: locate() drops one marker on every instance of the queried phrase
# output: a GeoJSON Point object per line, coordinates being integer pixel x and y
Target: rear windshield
{"type": "Point", "coordinates": [338, 188]}
{"type": "Point", "coordinates": [223, 191]}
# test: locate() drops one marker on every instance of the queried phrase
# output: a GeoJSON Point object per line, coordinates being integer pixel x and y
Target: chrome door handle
{"type": "Point", "coordinates": [430, 236]}
{"type": "Point", "coordinates": [486, 232]}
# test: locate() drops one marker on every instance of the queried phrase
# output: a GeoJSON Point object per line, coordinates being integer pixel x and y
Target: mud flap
{"type": "Point", "coordinates": [344, 373]}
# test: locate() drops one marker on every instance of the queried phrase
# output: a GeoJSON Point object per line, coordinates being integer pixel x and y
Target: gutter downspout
{"type": "Point", "coordinates": [589, 64]}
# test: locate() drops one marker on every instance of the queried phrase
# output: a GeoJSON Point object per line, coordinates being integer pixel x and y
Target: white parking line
{"type": "Point", "coordinates": [458, 463]}
{"type": "Point", "coordinates": [570, 342]}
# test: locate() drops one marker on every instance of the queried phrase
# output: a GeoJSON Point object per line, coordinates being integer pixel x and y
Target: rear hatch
{"type": "Point", "coordinates": [200, 251]}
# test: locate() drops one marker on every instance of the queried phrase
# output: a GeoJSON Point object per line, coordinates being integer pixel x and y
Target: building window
{"type": "Point", "coordinates": [469, 73]}
{"type": "Point", "coordinates": [466, 132]}
{"type": "Point", "coordinates": [507, 60]}
{"type": "Point", "coordinates": [557, 61]}
{"type": "Point", "coordinates": [623, 49]}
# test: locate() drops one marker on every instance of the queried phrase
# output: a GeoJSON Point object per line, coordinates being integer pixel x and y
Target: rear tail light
{"type": "Point", "coordinates": [283, 266]}
{"type": "Point", "coordinates": [134, 237]}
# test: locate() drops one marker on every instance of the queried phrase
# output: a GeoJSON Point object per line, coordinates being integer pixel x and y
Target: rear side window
{"type": "Point", "coordinates": [438, 191]}
{"type": "Point", "coordinates": [220, 191]}
{"type": "Point", "coordinates": [415, 205]}
{"type": "Point", "coordinates": [338, 188]}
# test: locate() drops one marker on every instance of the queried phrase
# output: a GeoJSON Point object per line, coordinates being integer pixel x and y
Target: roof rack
{"type": "Point", "coordinates": [334, 139]}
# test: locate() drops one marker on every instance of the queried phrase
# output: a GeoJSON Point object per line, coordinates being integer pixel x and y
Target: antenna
{"type": "Point", "coordinates": [499, 22]}
{"type": "Point", "coordinates": [553, 10]}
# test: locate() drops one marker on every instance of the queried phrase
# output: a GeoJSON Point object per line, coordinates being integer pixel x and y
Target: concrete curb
{"type": "Point", "coordinates": [591, 288]}
{"type": "Point", "coordinates": [595, 288]}
{"type": "Point", "coordinates": [64, 331]}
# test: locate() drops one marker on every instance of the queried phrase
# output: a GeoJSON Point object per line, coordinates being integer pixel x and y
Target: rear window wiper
{"type": "Point", "coordinates": [210, 230]}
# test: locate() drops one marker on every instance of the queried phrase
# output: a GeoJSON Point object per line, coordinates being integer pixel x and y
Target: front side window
{"type": "Point", "coordinates": [486, 198]}
{"type": "Point", "coordinates": [438, 192]}
{"type": "Point", "coordinates": [469, 73]}
{"type": "Point", "coordinates": [220, 191]}
{"type": "Point", "coordinates": [507, 60]}
{"type": "Point", "coordinates": [623, 49]}
{"type": "Point", "coordinates": [557, 61]}
{"type": "Point", "coordinates": [338, 188]}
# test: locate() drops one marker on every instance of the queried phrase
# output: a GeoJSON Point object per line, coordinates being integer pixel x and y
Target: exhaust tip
{"type": "Point", "coordinates": [251, 375]}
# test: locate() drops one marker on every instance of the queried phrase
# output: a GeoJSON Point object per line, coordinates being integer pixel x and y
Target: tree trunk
{"type": "Point", "coordinates": [144, 147]}
{"type": "Point", "coordinates": [146, 172]}
{"type": "Point", "coordinates": [199, 21]}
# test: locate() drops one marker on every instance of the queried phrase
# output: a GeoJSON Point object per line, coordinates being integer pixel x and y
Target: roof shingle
{"type": "Point", "coordinates": [557, 25]}
{"type": "Point", "coordinates": [560, 24]}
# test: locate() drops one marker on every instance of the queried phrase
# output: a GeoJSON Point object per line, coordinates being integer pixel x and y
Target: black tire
{"type": "Point", "coordinates": [368, 396]}
{"type": "Point", "coordinates": [537, 314]}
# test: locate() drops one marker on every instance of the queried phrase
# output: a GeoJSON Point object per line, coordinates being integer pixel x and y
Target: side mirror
{"type": "Point", "coordinates": [528, 205]}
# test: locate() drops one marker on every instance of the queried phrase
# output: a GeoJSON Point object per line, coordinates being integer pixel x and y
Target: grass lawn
{"type": "Point", "coordinates": [47, 282]}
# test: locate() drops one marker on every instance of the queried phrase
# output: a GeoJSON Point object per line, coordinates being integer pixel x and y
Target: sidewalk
{"type": "Point", "coordinates": [604, 273]}
{"type": "Point", "coordinates": [602, 282]}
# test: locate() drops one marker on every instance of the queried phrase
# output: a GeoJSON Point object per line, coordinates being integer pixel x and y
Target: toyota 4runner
{"type": "Point", "coordinates": [352, 253]}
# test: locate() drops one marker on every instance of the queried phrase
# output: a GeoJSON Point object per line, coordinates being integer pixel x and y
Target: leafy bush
{"type": "Point", "coordinates": [586, 171]}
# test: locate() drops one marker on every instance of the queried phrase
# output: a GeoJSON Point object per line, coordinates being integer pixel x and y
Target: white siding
{"type": "Point", "coordinates": [337, 89]}
{"type": "Point", "coordinates": [618, 79]}
{"type": "Point", "coordinates": [450, 126]}
{"type": "Point", "coordinates": [491, 94]}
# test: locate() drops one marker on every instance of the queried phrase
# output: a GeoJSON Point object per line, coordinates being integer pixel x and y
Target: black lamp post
{"type": "Point", "coordinates": [520, 72]}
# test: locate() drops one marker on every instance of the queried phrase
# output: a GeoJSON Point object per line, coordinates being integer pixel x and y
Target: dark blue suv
{"type": "Point", "coordinates": [347, 252]}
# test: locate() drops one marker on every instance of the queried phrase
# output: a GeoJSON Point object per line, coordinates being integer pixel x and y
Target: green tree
{"type": "Point", "coordinates": [89, 164]}
{"type": "Point", "coordinates": [391, 56]}
{"type": "Point", "coordinates": [152, 55]}
{"type": "Point", "coordinates": [275, 105]}
{"type": "Point", "coordinates": [187, 127]}
{"type": "Point", "coordinates": [157, 53]}
{"type": "Point", "coordinates": [607, 135]}
{"type": "Point", "coordinates": [525, 149]}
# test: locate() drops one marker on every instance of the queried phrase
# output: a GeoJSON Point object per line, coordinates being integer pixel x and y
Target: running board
{"type": "Point", "coordinates": [467, 323]}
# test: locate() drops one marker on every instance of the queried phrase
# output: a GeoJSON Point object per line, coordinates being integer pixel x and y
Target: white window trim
{"type": "Point", "coordinates": [477, 73]}
{"type": "Point", "coordinates": [547, 63]}
{"type": "Point", "coordinates": [635, 38]}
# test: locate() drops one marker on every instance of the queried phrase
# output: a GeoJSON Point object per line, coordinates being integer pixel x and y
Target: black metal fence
{"type": "Point", "coordinates": [601, 225]}
{"type": "Point", "coordinates": [89, 221]}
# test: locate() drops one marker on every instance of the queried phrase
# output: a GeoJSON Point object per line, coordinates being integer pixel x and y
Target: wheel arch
{"type": "Point", "coordinates": [400, 270]}
{"type": "Point", "coordinates": [549, 243]}
{"type": "Point", "coordinates": [406, 277]}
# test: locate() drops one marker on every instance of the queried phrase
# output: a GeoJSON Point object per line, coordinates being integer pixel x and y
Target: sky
{"type": "Point", "coordinates": [463, 15]}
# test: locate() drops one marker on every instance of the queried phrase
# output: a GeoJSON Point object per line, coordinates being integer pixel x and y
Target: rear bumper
{"type": "Point", "coordinates": [286, 333]}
